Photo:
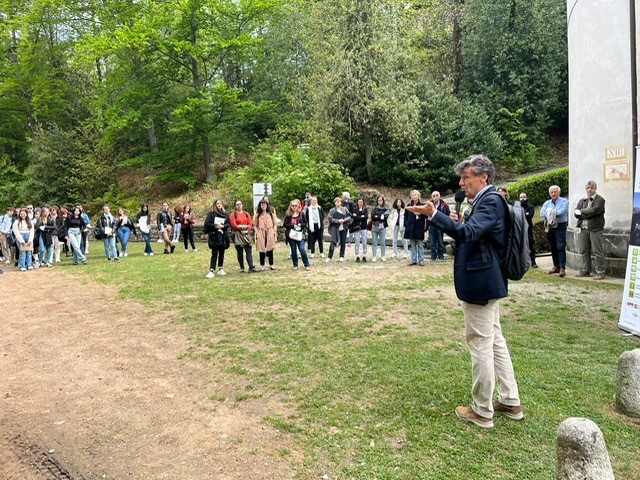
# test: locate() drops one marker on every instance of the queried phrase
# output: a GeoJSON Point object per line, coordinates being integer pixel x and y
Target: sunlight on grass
{"type": "Point", "coordinates": [372, 362]}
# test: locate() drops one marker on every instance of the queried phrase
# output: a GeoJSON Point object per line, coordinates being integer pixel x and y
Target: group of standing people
{"type": "Point", "coordinates": [31, 238]}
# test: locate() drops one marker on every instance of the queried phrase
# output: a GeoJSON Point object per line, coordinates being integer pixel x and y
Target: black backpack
{"type": "Point", "coordinates": [516, 261]}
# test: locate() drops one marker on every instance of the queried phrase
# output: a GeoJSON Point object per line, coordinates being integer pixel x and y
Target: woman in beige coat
{"type": "Point", "coordinates": [265, 225]}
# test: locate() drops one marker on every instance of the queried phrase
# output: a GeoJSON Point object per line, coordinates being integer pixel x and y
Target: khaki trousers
{"type": "Point", "coordinates": [490, 359]}
{"type": "Point", "coordinates": [3, 246]}
{"type": "Point", "coordinates": [591, 242]}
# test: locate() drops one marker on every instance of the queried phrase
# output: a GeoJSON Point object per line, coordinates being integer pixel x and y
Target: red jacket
{"type": "Point", "coordinates": [240, 219]}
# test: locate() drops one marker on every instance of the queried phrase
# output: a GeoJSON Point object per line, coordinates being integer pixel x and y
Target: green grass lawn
{"type": "Point", "coordinates": [368, 362]}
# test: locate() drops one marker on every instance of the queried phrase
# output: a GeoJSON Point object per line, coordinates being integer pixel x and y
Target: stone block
{"type": "Point", "coordinates": [628, 390]}
{"type": "Point", "coordinates": [582, 452]}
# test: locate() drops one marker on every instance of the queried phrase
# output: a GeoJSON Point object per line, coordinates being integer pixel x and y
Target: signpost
{"type": "Point", "coordinates": [260, 190]}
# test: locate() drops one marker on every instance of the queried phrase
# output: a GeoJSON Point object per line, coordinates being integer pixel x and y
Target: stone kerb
{"type": "Point", "coordinates": [582, 452]}
{"type": "Point", "coordinates": [628, 388]}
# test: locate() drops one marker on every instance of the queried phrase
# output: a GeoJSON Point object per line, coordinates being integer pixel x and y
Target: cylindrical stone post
{"type": "Point", "coordinates": [582, 453]}
{"type": "Point", "coordinates": [628, 391]}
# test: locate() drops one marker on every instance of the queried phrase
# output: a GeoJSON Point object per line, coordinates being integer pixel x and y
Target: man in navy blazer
{"type": "Point", "coordinates": [480, 284]}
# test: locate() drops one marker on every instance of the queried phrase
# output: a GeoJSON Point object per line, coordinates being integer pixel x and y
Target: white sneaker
{"type": "Point", "coordinates": [210, 274]}
{"type": "Point", "coordinates": [307, 268]}
{"type": "Point", "coordinates": [29, 268]}
{"type": "Point", "coordinates": [374, 259]}
{"type": "Point", "coordinates": [341, 259]}
{"type": "Point", "coordinates": [289, 257]}
{"type": "Point", "coordinates": [294, 268]}
{"type": "Point", "coordinates": [23, 269]}
{"type": "Point", "coordinates": [322, 255]}
{"type": "Point", "coordinates": [145, 254]}
{"type": "Point", "coordinates": [175, 240]}
{"type": "Point", "coordinates": [186, 250]}
{"type": "Point", "coordinates": [384, 259]}
{"type": "Point", "coordinates": [160, 240]}
{"type": "Point", "coordinates": [272, 267]}
{"type": "Point", "coordinates": [327, 260]}
{"type": "Point", "coordinates": [195, 250]}
{"type": "Point", "coordinates": [151, 254]}
{"type": "Point", "coordinates": [313, 255]}
{"type": "Point", "coordinates": [406, 256]}
{"type": "Point", "coordinates": [221, 272]}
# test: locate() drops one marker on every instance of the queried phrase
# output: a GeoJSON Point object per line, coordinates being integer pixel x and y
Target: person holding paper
{"type": "Point", "coordinates": [107, 223]}
{"type": "Point", "coordinates": [144, 224]}
{"type": "Point", "coordinates": [216, 226]}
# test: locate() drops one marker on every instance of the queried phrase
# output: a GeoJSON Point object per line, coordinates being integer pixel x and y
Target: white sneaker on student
{"type": "Point", "coordinates": [384, 259]}
{"type": "Point", "coordinates": [195, 250]}
{"type": "Point", "coordinates": [374, 259]}
{"type": "Point", "coordinates": [341, 259]}
{"type": "Point", "coordinates": [327, 260]}
{"type": "Point", "coordinates": [322, 255]}
{"type": "Point", "coordinates": [145, 254]}
{"type": "Point", "coordinates": [186, 250]}
{"type": "Point", "coordinates": [151, 254]}
{"type": "Point", "coordinates": [313, 255]}
{"type": "Point", "coordinates": [210, 274]}
{"type": "Point", "coordinates": [221, 272]}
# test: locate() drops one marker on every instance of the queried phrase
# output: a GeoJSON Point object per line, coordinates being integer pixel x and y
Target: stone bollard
{"type": "Point", "coordinates": [582, 453]}
{"type": "Point", "coordinates": [628, 392]}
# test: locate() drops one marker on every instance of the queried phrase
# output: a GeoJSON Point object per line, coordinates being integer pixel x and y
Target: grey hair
{"type": "Point", "coordinates": [591, 183]}
{"type": "Point", "coordinates": [346, 195]}
{"type": "Point", "coordinates": [553, 187]}
{"type": "Point", "coordinates": [479, 164]}
{"type": "Point", "coordinates": [415, 191]}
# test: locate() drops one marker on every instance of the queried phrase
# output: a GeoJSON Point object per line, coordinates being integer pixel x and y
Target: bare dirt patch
{"type": "Point", "coordinates": [95, 387]}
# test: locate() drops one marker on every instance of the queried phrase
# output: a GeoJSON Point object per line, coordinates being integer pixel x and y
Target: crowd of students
{"type": "Point", "coordinates": [32, 238]}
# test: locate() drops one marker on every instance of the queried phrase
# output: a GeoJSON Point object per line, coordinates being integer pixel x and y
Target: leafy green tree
{"type": "Point", "coordinates": [360, 74]}
{"type": "Point", "coordinates": [515, 57]}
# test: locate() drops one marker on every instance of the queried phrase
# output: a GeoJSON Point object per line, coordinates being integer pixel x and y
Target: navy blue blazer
{"type": "Point", "coordinates": [480, 243]}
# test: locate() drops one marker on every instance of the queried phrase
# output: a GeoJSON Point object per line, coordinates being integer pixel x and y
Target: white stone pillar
{"type": "Point", "coordinates": [601, 118]}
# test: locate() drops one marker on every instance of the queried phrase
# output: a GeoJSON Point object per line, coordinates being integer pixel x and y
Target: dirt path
{"type": "Point", "coordinates": [91, 387]}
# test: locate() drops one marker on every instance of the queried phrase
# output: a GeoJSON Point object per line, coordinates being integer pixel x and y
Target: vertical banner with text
{"type": "Point", "coordinates": [630, 310]}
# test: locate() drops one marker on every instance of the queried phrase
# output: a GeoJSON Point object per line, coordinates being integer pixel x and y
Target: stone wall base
{"type": "Point", "coordinates": [616, 245]}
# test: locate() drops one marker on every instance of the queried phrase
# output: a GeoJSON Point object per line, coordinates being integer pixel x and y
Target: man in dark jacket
{"type": "Point", "coordinates": [529, 212]}
{"type": "Point", "coordinates": [590, 215]}
{"type": "Point", "coordinates": [480, 284]}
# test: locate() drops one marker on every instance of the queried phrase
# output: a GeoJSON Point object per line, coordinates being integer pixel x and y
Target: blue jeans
{"type": "Point", "coordinates": [75, 239]}
{"type": "Point", "coordinates": [123, 234]}
{"type": "Point", "coordinates": [379, 239]}
{"type": "Point", "coordinates": [405, 243]}
{"type": "Point", "coordinates": [176, 231]}
{"type": "Point", "coordinates": [558, 244]}
{"type": "Point", "coordinates": [25, 258]}
{"type": "Point", "coordinates": [417, 250]}
{"type": "Point", "coordinates": [361, 238]}
{"type": "Point", "coordinates": [436, 239]}
{"type": "Point", "coordinates": [295, 246]}
{"type": "Point", "coordinates": [110, 247]}
{"type": "Point", "coordinates": [147, 242]}
{"type": "Point", "coordinates": [45, 254]}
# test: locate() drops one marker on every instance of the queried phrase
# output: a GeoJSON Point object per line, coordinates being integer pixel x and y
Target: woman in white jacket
{"type": "Point", "coordinates": [396, 221]}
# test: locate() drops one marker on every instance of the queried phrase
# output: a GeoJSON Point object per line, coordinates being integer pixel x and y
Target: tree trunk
{"type": "Point", "coordinates": [206, 152]}
{"type": "Point", "coordinates": [457, 45]}
{"type": "Point", "coordinates": [197, 85]}
{"type": "Point", "coordinates": [153, 140]}
{"type": "Point", "coordinates": [368, 147]}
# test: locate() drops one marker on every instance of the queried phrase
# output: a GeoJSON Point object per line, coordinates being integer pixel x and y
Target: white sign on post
{"type": "Point", "coordinates": [260, 190]}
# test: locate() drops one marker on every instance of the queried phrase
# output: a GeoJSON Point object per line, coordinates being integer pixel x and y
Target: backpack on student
{"type": "Point", "coordinates": [516, 261]}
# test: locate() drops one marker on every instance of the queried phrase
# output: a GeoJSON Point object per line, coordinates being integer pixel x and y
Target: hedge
{"type": "Point", "coordinates": [537, 186]}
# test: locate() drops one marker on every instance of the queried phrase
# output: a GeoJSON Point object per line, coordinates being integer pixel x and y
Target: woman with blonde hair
{"type": "Point", "coordinates": [295, 226]}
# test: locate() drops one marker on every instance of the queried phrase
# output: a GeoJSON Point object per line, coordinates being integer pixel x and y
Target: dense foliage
{"type": "Point", "coordinates": [397, 92]}
{"type": "Point", "coordinates": [537, 186]}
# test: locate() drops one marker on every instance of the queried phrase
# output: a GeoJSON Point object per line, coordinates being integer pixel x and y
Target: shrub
{"type": "Point", "coordinates": [537, 186]}
{"type": "Point", "coordinates": [291, 171]}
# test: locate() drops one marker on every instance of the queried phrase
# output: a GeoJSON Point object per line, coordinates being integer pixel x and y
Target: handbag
{"type": "Point", "coordinates": [241, 239]}
{"type": "Point", "coordinates": [98, 232]}
{"type": "Point", "coordinates": [295, 235]}
{"type": "Point", "coordinates": [369, 224]}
